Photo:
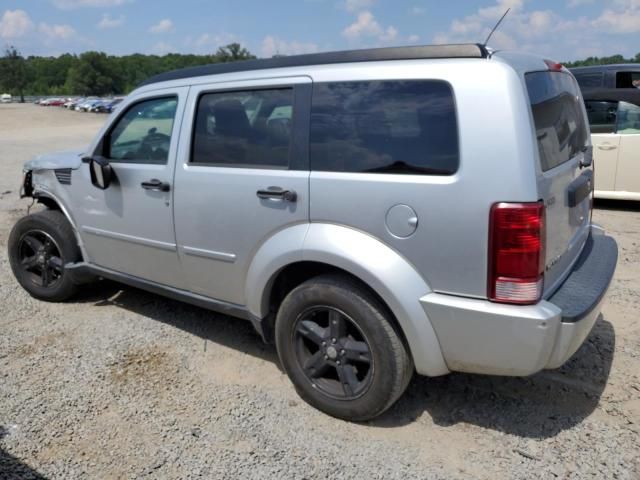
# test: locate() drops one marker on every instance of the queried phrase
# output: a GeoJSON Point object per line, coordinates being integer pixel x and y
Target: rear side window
{"type": "Point", "coordinates": [590, 80]}
{"type": "Point", "coordinates": [406, 127]}
{"type": "Point", "coordinates": [250, 128]}
{"type": "Point", "coordinates": [602, 116]}
{"type": "Point", "coordinates": [561, 129]}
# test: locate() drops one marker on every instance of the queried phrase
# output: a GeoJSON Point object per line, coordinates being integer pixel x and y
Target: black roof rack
{"type": "Point", "coordinates": [467, 50]}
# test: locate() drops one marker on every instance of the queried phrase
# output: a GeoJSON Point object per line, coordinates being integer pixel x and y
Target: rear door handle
{"type": "Point", "coordinates": [277, 193]}
{"type": "Point", "coordinates": [155, 184]}
{"type": "Point", "coordinates": [606, 146]}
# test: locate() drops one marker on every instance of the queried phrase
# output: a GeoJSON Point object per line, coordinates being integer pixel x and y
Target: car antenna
{"type": "Point", "coordinates": [496, 27]}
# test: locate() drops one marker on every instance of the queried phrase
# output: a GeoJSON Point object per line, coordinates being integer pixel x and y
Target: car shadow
{"type": "Point", "coordinates": [12, 468]}
{"type": "Point", "coordinates": [538, 406]}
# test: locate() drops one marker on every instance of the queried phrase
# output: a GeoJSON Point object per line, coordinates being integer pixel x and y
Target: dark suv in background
{"type": "Point", "coordinates": [608, 76]}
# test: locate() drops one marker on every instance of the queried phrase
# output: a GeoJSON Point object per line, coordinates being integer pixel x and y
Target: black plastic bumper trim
{"type": "Point", "coordinates": [589, 280]}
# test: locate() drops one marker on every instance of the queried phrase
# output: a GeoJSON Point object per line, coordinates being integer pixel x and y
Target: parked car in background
{"type": "Point", "coordinates": [53, 102]}
{"type": "Point", "coordinates": [347, 204]}
{"type": "Point", "coordinates": [608, 76]}
{"type": "Point", "coordinates": [107, 106]}
{"type": "Point", "coordinates": [614, 118]}
{"type": "Point", "coordinates": [87, 104]}
{"type": "Point", "coordinates": [6, 98]}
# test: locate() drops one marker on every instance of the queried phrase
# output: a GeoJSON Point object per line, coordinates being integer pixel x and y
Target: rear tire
{"type": "Point", "coordinates": [340, 349]}
{"type": "Point", "coordinates": [40, 245]}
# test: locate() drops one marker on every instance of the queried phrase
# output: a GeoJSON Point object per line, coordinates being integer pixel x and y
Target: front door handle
{"type": "Point", "coordinates": [277, 193]}
{"type": "Point", "coordinates": [155, 184]}
{"type": "Point", "coordinates": [606, 146]}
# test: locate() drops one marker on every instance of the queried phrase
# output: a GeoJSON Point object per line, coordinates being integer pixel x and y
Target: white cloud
{"type": "Point", "coordinates": [578, 3]}
{"type": "Point", "coordinates": [162, 48]}
{"type": "Point", "coordinates": [413, 38]}
{"type": "Point", "coordinates": [627, 21]}
{"type": "Point", "coordinates": [274, 46]}
{"type": "Point", "coordinates": [70, 4]}
{"type": "Point", "coordinates": [366, 25]}
{"type": "Point", "coordinates": [56, 32]}
{"type": "Point", "coordinates": [14, 24]}
{"type": "Point", "coordinates": [357, 5]}
{"type": "Point", "coordinates": [417, 10]}
{"type": "Point", "coordinates": [108, 22]}
{"type": "Point", "coordinates": [163, 26]}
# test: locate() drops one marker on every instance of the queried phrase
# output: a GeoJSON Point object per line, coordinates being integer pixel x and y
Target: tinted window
{"type": "Point", "coordinates": [628, 119]}
{"type": "Point", "coordinates": [244, 129]}
{"type": "Point", "coordinates": [602, 116]}
{"type": "Point", "coordinates": [384, 127]}
{"type": "Point", "coordinates": [590, 80]}
{"type": "Point", "coordinates": [143, 133]}
{"type": "Point", "coordinates": [628, 80]}
{"type": "Point", "coordinates": [560, 125]}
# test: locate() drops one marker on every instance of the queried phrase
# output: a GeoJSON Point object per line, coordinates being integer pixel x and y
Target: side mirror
{"type": "Point", "coordinates": [101, 172]}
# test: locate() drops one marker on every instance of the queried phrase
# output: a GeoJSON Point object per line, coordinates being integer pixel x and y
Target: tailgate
{"type": "Point", "coordinates": [563, 184]}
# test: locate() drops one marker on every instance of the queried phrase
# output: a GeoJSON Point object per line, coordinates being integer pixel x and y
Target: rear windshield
{"type": "Point", "coordinates": [558, 115]}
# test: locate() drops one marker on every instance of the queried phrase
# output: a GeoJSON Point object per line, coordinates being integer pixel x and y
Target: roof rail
{"type": "Point", "coordinates": [466, 50]}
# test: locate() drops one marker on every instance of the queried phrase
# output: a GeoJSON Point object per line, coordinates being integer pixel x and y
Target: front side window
{"type": "Point", "coordinates": [143, 133]}
{"type": "Point", "coordinates": [590, 80]}
{"type": "Point", "coordinates": [628, 80]}
{"type": "Point", "coordinates": [244, 129]}
{"type": "Point", "coordinates": [628, 121]}
{"type": "Point", "coordinates": [561, 128]}
{"type": "Point", "coordinates": [602, 116]}
{"type": "Point", "coordinates": [406, 127]}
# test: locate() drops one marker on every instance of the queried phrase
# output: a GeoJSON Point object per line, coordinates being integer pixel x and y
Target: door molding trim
{"type": "Point", "coordinates": [171, 247]}
{"type": "Point", "coordinates": [212, 254]}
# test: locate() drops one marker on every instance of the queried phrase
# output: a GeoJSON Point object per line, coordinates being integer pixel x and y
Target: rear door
{"type": "Point", "coordinates": [564, 185]}
{"type": "Point", "coordinates": [242, 177]}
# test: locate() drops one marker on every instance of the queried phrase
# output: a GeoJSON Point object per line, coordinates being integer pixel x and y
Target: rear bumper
{"type": "Point", "coordinates": [478, 336]}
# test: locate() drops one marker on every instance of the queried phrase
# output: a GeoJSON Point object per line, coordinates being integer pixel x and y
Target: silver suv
{"type": "Point", "coordinates": [373, 213]}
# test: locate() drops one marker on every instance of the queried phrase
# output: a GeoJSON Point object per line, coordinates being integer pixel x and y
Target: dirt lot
{"type": "Point", "coordinates": [125, 384]}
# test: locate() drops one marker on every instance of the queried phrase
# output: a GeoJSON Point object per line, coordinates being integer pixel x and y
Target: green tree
{"type": "Point", "coordinates": [233, 52]}
{"type": "Point", "coordinates": [93, 75]}
{"type": "Point", "coordinates": [14, 72]}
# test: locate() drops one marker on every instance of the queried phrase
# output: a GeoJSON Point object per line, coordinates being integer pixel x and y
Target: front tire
{"type": "Point", "coordinates": [40, 245]}
{"type": "Point", "coordinates": [340, 349]}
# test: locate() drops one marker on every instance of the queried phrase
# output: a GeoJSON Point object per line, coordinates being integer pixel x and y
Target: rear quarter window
{"type": "Point", "coordinates": [556, 105]}
{"type": "Point", "coordinates": [405, 127]}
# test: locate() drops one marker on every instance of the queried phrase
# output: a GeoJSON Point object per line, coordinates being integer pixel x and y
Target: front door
{"type": "Point", "coordinates": [628, 129]}
{"type": "Point", "coordinates": [243, 178]}
{"type": "Point", "coordinates": [129, 226]}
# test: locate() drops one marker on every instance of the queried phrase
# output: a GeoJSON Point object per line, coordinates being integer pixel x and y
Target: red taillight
{"type": "Point", "coordinates": [516, 252]}
{"type": "Point", "coordinates": [554, 66]}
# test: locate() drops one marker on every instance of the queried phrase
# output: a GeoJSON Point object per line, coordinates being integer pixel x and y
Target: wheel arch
{"type": "Point", "coordinates": [53, 202]}
{"type": "Point", "coordinates": [313, 249]}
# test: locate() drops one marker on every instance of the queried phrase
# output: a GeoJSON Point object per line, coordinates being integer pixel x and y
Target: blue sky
{"type": "Point", "coordinates": [559, 29]}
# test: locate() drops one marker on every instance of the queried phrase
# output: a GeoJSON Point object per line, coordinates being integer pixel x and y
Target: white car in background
{"type": "Point", "coordinates": [614, 118]}
{"type": "Point", "coordinates": [6, 98]}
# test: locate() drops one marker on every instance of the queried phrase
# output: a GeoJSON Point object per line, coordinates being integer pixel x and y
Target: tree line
{"type": "Point", "coordinates": [96, 73]}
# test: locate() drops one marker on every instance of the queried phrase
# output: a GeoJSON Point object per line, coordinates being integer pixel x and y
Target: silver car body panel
{"type": "Point", "coordinates": [210, 237]}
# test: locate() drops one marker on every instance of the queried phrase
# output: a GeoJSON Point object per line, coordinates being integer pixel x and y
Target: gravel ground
{"type": "Point", "coordinates": [125, 384]}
